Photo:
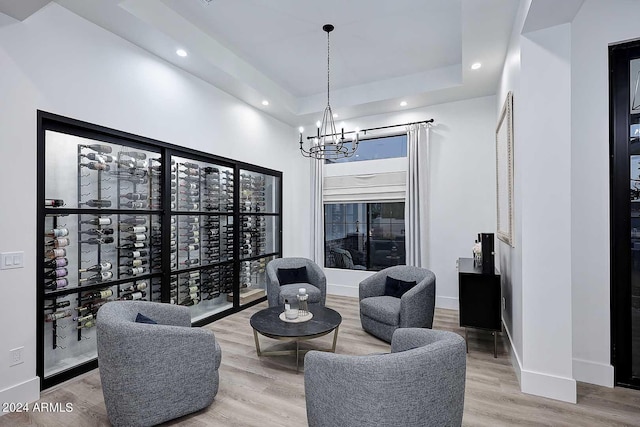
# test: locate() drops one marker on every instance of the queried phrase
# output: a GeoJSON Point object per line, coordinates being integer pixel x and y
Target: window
{"type": "Point", "coordinates": [387, 147]}
{"type": "Point", "coordinates": [364, 236]}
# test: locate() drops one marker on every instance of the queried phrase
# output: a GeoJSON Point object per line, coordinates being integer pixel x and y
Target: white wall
{"type": "Point", "coordinates": [545, 147]}
{"type": "Point", "coordinates": [596, 25]}
{"type": "Point", "coordinates": [510, 258]}
{"type": "Point", "coordinates": [462, 185]}
{"type": "Point", "coordinates": [58, 62]}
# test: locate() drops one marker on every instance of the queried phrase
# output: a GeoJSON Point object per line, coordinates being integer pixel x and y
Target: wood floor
{"type": "Point", "coordinates": [267, 392]}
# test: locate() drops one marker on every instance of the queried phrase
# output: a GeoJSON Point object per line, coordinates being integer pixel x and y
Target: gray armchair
{"type": "Point", "coordinates": [419, 384]}
{"type": "Point", "coordinates": [154, 373]}
{"type": "Point", "coordinates": [316, 286]}
{"type": "Point", "coordinates": [382, 315]}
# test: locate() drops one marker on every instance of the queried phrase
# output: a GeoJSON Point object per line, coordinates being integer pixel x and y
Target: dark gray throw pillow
{"type": "Point", "coordinates": [141, 318]}
{"type": "Point", "coordinates": [287, 276]}
{"type": "Point", "coordinates": [396, 287]}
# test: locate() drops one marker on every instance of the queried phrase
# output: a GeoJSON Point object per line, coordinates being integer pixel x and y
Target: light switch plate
{"type": "Point", "coordinates": [11, 260]}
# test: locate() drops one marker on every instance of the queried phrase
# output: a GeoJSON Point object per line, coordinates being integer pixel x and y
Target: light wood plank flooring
{"type": "Point", "coordinates": [267, 392]}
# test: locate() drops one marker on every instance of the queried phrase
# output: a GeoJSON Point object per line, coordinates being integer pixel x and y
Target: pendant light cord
{"type": "Point", "coordinates": [328, 66]}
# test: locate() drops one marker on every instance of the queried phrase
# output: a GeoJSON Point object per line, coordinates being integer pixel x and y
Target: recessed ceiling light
{"type": "Point", "coordinates": [265, 102]}
{"type": "Point", "coordinates": [335, 115]}
{"type": "Point", "coordinates": [403, 104]}
{"type": "Point", "coordinates": [181, 52]}
{"type": "Point", "coordinates": [476, 66]}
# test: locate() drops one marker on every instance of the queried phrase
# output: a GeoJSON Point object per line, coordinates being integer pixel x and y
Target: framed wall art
{"type": "Point", "coordinates": [504, 172]}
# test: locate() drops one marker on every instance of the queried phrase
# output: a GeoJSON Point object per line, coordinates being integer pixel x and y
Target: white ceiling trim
{"type": "Point", "coordinates": [165, 20]}
{"type": "Point", "coordinates": [428, 81]}
{"type": "Point", "coordinates": [21, 9]}
{"type": "Point", "coordinates": [160, 28]}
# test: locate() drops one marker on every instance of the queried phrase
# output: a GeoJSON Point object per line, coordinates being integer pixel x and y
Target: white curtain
{"type": "Point", "coordinates": [417, 198]}
{"type": "Point", "coordinates": [317, 211]}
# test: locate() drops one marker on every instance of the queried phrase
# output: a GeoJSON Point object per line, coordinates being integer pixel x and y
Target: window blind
{"type": "Point", "coordinates": [375, 187]}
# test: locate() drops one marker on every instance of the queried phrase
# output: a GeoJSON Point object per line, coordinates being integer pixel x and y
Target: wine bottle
{"type": "Point", "coordinates": [59, 243]}
{"type": "Point", "coordinates": [57, 305]}
{"type": "Point", "coordinates": [84, 318]}
{"type": "Point", "coordinates": [98, 277]}
{"type": "Point", "coordinates": [210, 169]}
{"type": "Point", "coordinates": [57, 232]}
{"type": "Point", "coordinates": [135, 254]}
{"type": "Point", "coordinates": [97, 221]}
{"type": "Point", "coordinates": [138, 237]}
{"type": "Point", "coordinates": [96, 203]}
{"type": "Point", "coordinates": [136, 229]}
{"type": "Point", "coordinates": [191, 289]}
{"type": "Point", "coordinates": [134, 220]}
{"type": "Point", "coordinates": [134, 196]}
{"type": "Point", "coordinates": [193, 171]}
{"type": "Point", "coordinates": [98, 240]}
{"type": "Point", "coordinates": [135, 179]}
{"type": "Point", "coordinates": [134, 263]}
{"type": "Point", "coordinates": [103, 266]}
{"type": "Point", "coordinates": [56, 274]}
{"type": "Point", "coordinates": [135, 245]}
{"type": "Point", "coordinates": [100, 158]}
{"type": "Point", "coordinates": [105, 293]}
{"type": "Point", "coordinates": [56, 263]}
{"type": "Point", "coordinates": [53, 203]}
{"type": "Point", "coordinates": [132, 163]}
{"type": "Point", "coordinates": [192, 261]}
{"type": "Point", "coordinates": [133, 295]}
{"type": "Point", "coordinates": [100, 148]}
{"type": "Point", "coordinates": [189, 248]}
{"type": "Point", "coordinates": [137, 287]}
{"type": "Point", "coordinates": [191, 234]}
{"type": "Point", "coordinates": [96, 166]}
{"type": "Point", "coordinates": [52, 317]}
{"type": "Point", "coordinates": [93, 306]}
{"type": "Point", "coordinates": [135, 155]}
{"type": "Point", "coordinates": [189, 302]}
{"type": "Point", "coordinates": [98, 231]}
{"type": "Point", "coordinates": [189, 227]}
{"type": "Point", "coordinates": [55, 284]}
{"type": "Point", "coordinates": [135, 205]}
{"type": "Point", "coordinates": [87, 325]}
{"type": "Point", "coordinates": [191, 280]}
{"type": "Point", "coordinates": [133, 271]}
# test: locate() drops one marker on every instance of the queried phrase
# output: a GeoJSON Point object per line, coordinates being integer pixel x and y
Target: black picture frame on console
{"type": "Point", "coordinates": [142, 219]}
{"type": "Point", "coordinates": [487, 243]}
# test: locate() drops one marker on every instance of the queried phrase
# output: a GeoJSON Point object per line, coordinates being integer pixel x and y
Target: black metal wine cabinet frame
{"type": "Point", "coordinates": [52, 122]}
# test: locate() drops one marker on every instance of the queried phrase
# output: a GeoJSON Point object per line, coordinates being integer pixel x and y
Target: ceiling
{"type": "Point", "coordinates": [382, 52]}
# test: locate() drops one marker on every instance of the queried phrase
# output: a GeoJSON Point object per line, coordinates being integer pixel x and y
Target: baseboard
{"type": "Point", "coordinates": [513, 354]}
{"type": "Point", "coordinates": [593, 372]}
{"type": "Point", "coordinates": [26, 392]}
{"type": "Point", "coordinates": [450, 303]}
{"type": "Point", "coordinates": [342, 290]}
{"type": "Point", "coordinates": [551, 386]}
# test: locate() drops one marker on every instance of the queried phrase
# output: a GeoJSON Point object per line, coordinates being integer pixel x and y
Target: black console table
{"type": "Point", "coordinates": [479, 298]}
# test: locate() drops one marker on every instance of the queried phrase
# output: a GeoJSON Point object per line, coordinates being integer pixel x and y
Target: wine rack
{"type": "Point", "coordinates": [130, 218]}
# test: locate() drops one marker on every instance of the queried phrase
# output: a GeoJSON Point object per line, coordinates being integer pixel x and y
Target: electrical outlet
{"type": "Point", "coordinates": [16, 356]}
{"type": "Point", "coordinates": [504, 303]}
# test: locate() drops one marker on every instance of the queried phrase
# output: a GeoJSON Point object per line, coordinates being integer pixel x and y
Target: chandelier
{"type": "Point", "coordinates": [329, 144]}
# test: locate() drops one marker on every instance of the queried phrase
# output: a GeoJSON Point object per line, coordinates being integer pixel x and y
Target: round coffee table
{"type": "Point", "coordinates": [267, 322]}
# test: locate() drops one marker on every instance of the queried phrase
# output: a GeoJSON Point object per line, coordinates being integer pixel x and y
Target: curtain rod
{"type": "Point", "coordinates": [379, 128]}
